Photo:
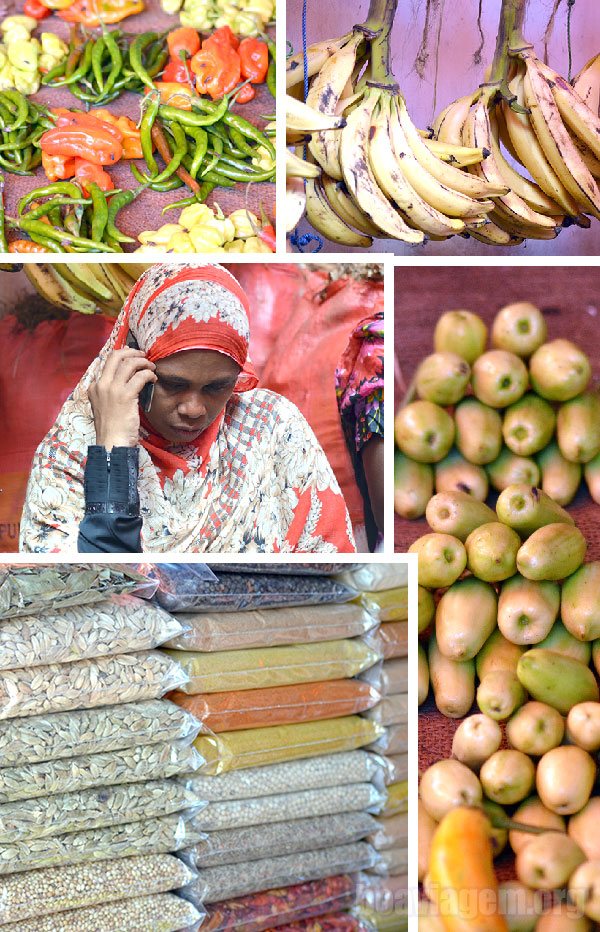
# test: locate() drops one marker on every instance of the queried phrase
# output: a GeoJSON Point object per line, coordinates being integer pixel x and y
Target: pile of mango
{"type": "Point", "coordinates": [509, 624]}
{"type": "Point", "coordinates": [520, 412]}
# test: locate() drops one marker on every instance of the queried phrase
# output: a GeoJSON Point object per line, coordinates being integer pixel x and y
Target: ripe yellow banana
{"type": "Point", "coordinates": [447, 200]}
{"type": "Point", "coordinates": [388, 173]}
{"type": "Point", "coordinates": [478, 131]}
{"type": "Point", "coordinates": [51, 285]}
{"type": "Point", "coordinates": [324, 219]}
{"type": "Point", "coordinates": [575, 113]}
{"type": "Point", "coordinates": [587, 84]}
{"type": "Point", "coordinates": [453, 178]}
{"type": "Point", "coordinates": [462, 156]}
{"type": "Point", "coordinates": [296, 167]}
{"type": "Point", "coordinates": [359, 177]}
{"type": "Point", "coordinates": [324, 95]}
{"type": "Point", "coordinates": [337, 195]}
{"type": "Point", "coordinates": [295, 202]}
{"type": "Point", "coordinates": [530, 154]}
{"type": "Point", "coordinates": [493, 235]}
{"type": "Point", "coordinates": [448, 125]}
{"type": "Point", "coordinates": [302, 119]}
{"type": "Point", "coordinates": [554, 139]}
{"type": "Point", "coordinates": [316, 56]}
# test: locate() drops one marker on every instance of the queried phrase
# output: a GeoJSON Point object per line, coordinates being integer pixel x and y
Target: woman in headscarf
{"type": "Point", "coordinates": [166, 444]}
{"type": "Point", "coordinates": [359, 385]}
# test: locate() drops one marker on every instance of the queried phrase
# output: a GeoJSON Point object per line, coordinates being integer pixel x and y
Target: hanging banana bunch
{"type": "Point", "coordinates": [88, 288]}
{"type": "Point", "coordinates": [529, 111]}
{"type": "Point", "coordinates": [366, 171]}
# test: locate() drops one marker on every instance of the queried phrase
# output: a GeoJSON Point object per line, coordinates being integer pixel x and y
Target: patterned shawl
{"type": "Point", "coordinates": [255, 480]}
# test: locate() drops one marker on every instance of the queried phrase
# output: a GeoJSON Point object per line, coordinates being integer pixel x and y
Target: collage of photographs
{"type": "Point", "coordinates": [272, 655]}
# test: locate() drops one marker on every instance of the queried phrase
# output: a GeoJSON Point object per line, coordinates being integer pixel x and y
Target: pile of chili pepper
{"type": "Point", "coordinates": [59, 217]}
{"type": "Point", "coordinates": [22, 123]}
{"type": "Point", "coordinates": [203, 146]}
{"type": "Point", "coordinates": [98, 70]}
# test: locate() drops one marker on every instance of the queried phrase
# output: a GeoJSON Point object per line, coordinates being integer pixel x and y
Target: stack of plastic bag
{"type": "Point", "coordinates": [92, 799]}
{"type": "Point", "coordinates": [281, 662]}
{"type": "Point", "coordinates": [384, 593]}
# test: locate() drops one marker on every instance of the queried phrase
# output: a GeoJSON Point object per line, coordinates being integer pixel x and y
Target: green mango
{"type": "Point", "coordinates": [580, 602]}
{"type": "Point", "coordinates": [526, 509]}
{"type": "Point", "coordinates": [560, 478]}
{"type": "Point", "coordinates": [552, 552]}
{"type": "Point", "coordinates": [457, 513]}
{"type": "Point", "coordinates": [413, 486]}
{"type": "Point", "coordinates": [578, 428]}
{"type": "Point", "coordinates": [442, 378]}
{"type": "Point", "coordinates": [465, 618]}
{"type": "Point", "coordinates": [557, 680]}
{"type": "Point", "coordinates": [528, 425]}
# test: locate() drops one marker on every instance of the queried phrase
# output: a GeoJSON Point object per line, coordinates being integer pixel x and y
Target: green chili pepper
{"type": "Point", "coordinates": [116, 62]}
{"type": "Point", "coordinates": [39, 228]}
{"type": "Point", "coordinates": [170, 185]}
{"type": "Point", "coordinates": [55, 189]}
{"type": "Point", "coordinates": [240, 142]}
{"type": "Point", "coordinates": [113, 234]}
{"type": "Point", "coordinates": [20, 108]}
{"type": "Point", "coordinates": [218, 152]}
{"type": "Point", "coordinates": [49, 207]}
{"type": "Point", "coordinates": [57, 72]}
{"type": "Point", "coordinates": [136, 49]}
{"type": "Point", "coordinates": [150, 113]}
{"type": "Point", "coordinates": [97, 53]}
{"type": "Point", "coordinates": [48, 244]}
{"type": "Point", "coordinates": [99, 211]}
{"type": "Point", "coordinates": [218, 180]}
{"type": "Point", "coordinates": [179, 150]}
{"type": "Point", "coordinates": [81, 70]}
{"type": "Point", "coordinates": [235, 121]}
{"type": "Point", "coordinates": [201, 138]}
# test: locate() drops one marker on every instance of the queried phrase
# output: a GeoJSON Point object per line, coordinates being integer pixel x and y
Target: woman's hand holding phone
{"type": "Point", "coordinates": [114, 397]}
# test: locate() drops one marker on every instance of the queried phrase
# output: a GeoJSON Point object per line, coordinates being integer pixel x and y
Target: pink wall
{"type": "Point", "coordinates": [457, 76]}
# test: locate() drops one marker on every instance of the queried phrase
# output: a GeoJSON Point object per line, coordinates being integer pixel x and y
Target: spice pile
{"type": "Point", "coordinates": [284, 669]}
{"type": "Point", "coordinates": [90, 803]}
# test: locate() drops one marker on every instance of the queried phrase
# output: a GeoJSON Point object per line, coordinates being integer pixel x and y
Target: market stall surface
{"type": "Point", "coordinates": [146, 211]}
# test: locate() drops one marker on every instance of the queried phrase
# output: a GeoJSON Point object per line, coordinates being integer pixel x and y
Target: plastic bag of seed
{"type": "Point", "coordinates": [394, 676]}
{"type": "Point", "coordinates": [71, 774]}
{"type": "Point", "coordinates": [255, 747]}
{"type": "Point", "coordinates": [160, 912]}
{"type": "Point", "coordinates": [121, 624]}
{"type": "Point", "coordinates": [95, 808]}
{"type": "Point", "coordinates": [282, 807]}
{"type": "Point", "coordinates": [391, 832]}
{"type": "Point", "coordinates": [55, 889]}
{"type": "Point", "coordinates": [256, 668]}
{"type": "Point", "coordinates": [228, 881]}
{"type": "Point", "coordinates": [90, 731]}
{"type": "Point", "coordinates": [181, 588]}
{"type": "Point", "coordinates": [291, 776]}
{"type": "Point", "coordinates": [286, 569]}
{"type": "Point", "coordinates": [387, 605]}
{"type": "Point", "coordinates": [392, 639]}
{"type": "Point", "coordinates": [27, 589]}
{"type": "Point", "coordinates": [258, 912]}
{"type": "Point", "coordinates": [397, 799]}
{"type": "Point", "coordinates": [392, 740]}
{"type": "Point", "coordinates": [375, 577]}
{"type": "Point", "coordinates": [228, 846]}
{"type": "Point", "coordinates": [396, 768]}
{"type": "Point", "coordinates": [392, 710]}
{"type": "Point", "coordinates": [84, 684]}
{"type": "Point", "coordinates": [149, 836]}
{"type": "Point", "coordinates": [393, 862]}
{"type": "Point", "coordinates": [217, 631]}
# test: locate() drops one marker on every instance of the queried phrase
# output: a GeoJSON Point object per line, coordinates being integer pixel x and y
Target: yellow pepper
{"type": "Point", "coordinates": [461, 879]}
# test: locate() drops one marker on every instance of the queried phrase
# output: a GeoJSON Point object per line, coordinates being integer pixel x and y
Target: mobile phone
{"type": "Point", "coordinates": [147, 393]}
